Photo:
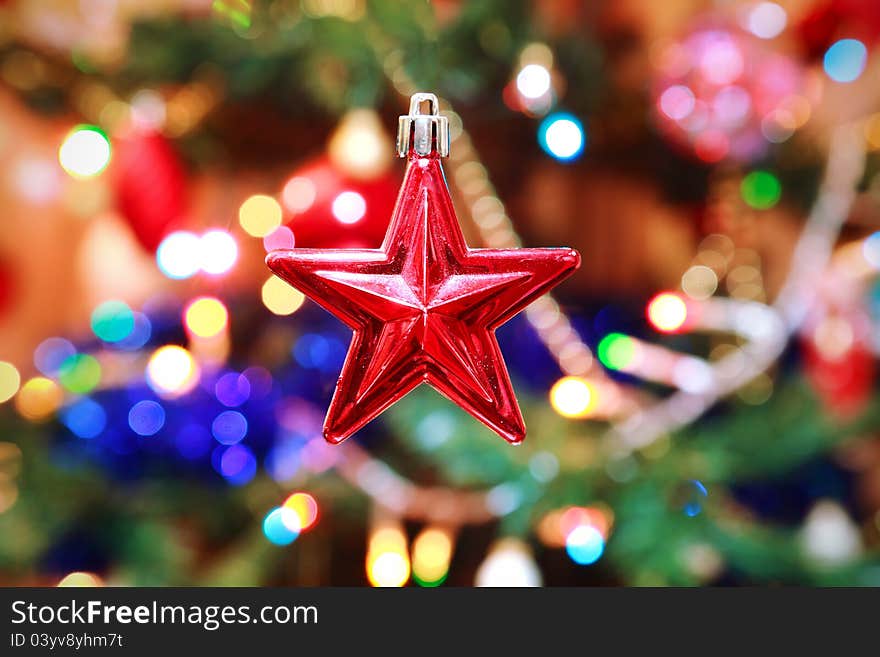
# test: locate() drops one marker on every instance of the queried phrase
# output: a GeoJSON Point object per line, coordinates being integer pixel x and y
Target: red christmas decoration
{"type": "Point", "coordinates": [424, 307]}
{"type": "Point", "coordinates": [6, 287]}
{"type": "Point", "coordinates": [149, 185]}
{"type": "Point", "coordinates": [309, 198]}
{"type": "Point", "coordinates": [839, 362]}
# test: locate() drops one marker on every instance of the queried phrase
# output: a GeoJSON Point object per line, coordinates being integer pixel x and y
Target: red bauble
{"type": "Point", "coordinates": [839, 363]}
{"type": "Point", "coordinates": [424, 308]}
{"type": "Point", "coordinates": [722, 93]}
{"type": "Point", "coordinates": [150, 185]}
{"type": "Point", "coordinates": [6, 287]}
{"type": "Point", "coordinates": [838, 19]}
{"type": "Point", "coordinates": [327, 208]}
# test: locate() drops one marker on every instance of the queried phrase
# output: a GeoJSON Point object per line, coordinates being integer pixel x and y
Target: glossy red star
{"type": "Point", "coordinates": [424, 308]}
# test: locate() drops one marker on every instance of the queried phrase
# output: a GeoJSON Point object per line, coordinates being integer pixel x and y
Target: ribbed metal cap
{"type": "Point", "coordinates": [423, 132]}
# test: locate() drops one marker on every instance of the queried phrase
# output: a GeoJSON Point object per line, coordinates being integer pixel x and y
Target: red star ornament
{"type": "Point", "coordinates": [424, 308]}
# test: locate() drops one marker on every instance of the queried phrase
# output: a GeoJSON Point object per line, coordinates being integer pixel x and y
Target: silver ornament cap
{"type": "Point", "coordinates": [423, 132]}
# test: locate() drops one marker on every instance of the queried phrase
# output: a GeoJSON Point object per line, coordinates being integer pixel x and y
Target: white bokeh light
{"type": "Point", "coordinates": [217, 252]}
{"type": "Point", "coordinates": [533, 81]}
{"type": "Point", "coordinates": [178, 256]}
{"type": "Point", "coordinates": [349, 207]}
{"type": "Point", "coordinates": [766, 20]}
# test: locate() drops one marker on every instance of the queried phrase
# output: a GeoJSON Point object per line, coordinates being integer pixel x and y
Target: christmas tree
{"type": "Point", "coordinates": [700, 395]}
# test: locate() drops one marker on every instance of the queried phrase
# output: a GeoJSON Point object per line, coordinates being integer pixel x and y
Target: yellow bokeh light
{"type": "Point", "coordinates": [388, 569]}
{"type": "Point", "coordinates": [432, 551]}
{"type": "Point", "coordinates": [10, 380]}
{"type": "Point", "coordinates": [305, 507]}
{"type": "Point", "coordinates": [205, 317]}
{"type": "Point", "coordinates": [259, 215]}
{"type": "Point", "coordinates": [359, 146]}
{"type": "Point", "coordinates": [667, 312]}
{"type": "Point", "coordinates": [38, 398]}
{"type": "Point", "coordinates": [280, 298]}
{"type": "Point", "coordinates": [80, 579]}
{"type": "Point", "coordinates": [172, 371]}
{"type": "Point", "coordinates": [573, 396]}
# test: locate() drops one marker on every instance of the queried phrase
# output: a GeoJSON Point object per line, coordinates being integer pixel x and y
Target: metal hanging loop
{"type": "Point", "coordinates": [423, 133]}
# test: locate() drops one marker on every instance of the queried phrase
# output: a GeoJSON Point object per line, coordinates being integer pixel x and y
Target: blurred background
{"type": "Point", "coordinates": [701, 395]}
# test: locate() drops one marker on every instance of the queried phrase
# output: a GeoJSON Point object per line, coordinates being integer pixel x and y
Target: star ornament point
{"type": "Point", "coordinates": [423, 308]}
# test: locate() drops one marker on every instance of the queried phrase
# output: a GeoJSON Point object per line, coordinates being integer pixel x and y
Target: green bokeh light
{"type": "Point", "coordinates": [761, 190]}
{"type": "Point", "coordinates": [616, 351]}
{"type": "Point", "coordinates": [80, 373]}
{"type": "Point", "coordinates": [112, 321]}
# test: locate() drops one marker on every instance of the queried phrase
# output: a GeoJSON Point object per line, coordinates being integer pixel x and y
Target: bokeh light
{"type": "Point", "coordinates": [172, 371]}
{"type": "Point", "coordinates": [699, 282]}
{"type": "Point", "coordinates": [667, 312]}
{"type": "Point", "coordinates": [432, 551]}
{"type": "Point", "coordinates": [178, 256]}
{"type": "Point", "coordinates": [845, 60]}
{"type": "Point", "coordinates": [695, 495]}
{"type": "Point", "coordinates": [761, 190]}
{"type": "Point", "coordinates": [85, 151]}
{"type": "Point", "coordinates": [51, 353]}
{"type": "Point", "coordinates": [573, 396]}
{"type": "Point", "coordinates": [387, 557]}
{"type": "Point", "coordinates": [616, 351]}
{"type": "Point", "coordinates": [766, 20]}
{"type": "Point", "coordinates": [280, 298]}
{"type": "Point", "coordinates": [146, 417]}
{"type": "Point", "coordinates": [10, 380]}
{"type": "Point", "coordinates": [229, 427]}
{"type": "Point", "coordinates": [280, 238]}
{"type": "Point", "coordinates": [509, 563]}
{"type": "Point", "coordinates": [298, 194]}
{"type": "Point", "coordinates": [205, 317]}
{"type": "Point", "coordinates": [677, 102]}
{"type": "Point", "coordinates": [112, 321]}
{"type": "Point", "coordinates": [80, 373]}
{"type": "Point", "coordinates": [533, 81]}
{"type": "Point", "coordinates": [585, 545]}
{"type": "Point", "coordinates": [305, 507]}
{"type": "Point", "coordinates": [80, 580]}
{"type": "Point", "coordinates": [238, 465]}
{"type": "Point", "coordinates": [871, 250]}
{"type": "Point", "coordinates": [85, 418]}
{"type": "Point", "coordinates": [232, 389]}
{"type": "Point", "coordinates": [280, 526]}
{"type": "Point", "coordinates": [259, 215]}
{"type": "Point", "coordinates": [38, 398]}
{"type": "Point", "coordinates": [218, 252]}
{"type": "Point", "coordinates": [562, 136]}
{"type": "Point", "coordinates": [349, 207]}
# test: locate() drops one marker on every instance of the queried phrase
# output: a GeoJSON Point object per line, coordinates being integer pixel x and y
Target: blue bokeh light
{"type": "Point", "coordinates": [232, 389]}
{"type": "Point", "coordinates": [276, 530]}
{"type": "Point", "coordinates": [845, 60]}
{"type": "Point", "coordinates": [585, 544]}
{"type": "Point", "coordinates": [51, 353]}
{"type": "Point", "coordinates": [85, 418]}
{"type": "Point", "coordinates": [562, 136]}
{"type": "Point", "coordinates": [146, 418]}
{"type": "Point", "coordinates": [238, 465]}
{"type": "Point", "coordinates": [697, 495]}
{"type": "Point", "coordinates": [229, 427]}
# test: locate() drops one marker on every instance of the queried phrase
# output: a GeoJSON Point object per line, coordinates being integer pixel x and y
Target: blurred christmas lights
{"type": "Point", "coordinates": [281, 526]}
{"type": "Point", "coordinates": [80, 373]}
{"type": "Point", "coordinates": [280, 298]}
{"type": "Point", "coordinates": [305, 507]}
{"type": "Point", "coordinates": [509, 563]}
{"type": "Point", "coordinates": [573, 397]}
{"type": "Point", "coordinates": [431, 553]}
{"type": "Point", "coordinates": [38, 398]}
{"type": "Point", "coordinates": [10, 380]}
{"type": "Point", "coordinates": [667, 312]}
{"type": "Point", "coordinates": [761, 190]}
{"type": "Point", "coordinates": [218, 252]}
{"type": "Point", "coordinates": [206, 317]}
{"type": "Point", "coordinates": [765, 20]}
{"type": "Point", "coordinates": [845, 60]}
{"type": "Point", "coordinates": [178, 255]}
{"type": "Point", "coordinates": [387, 557]}
{"type": "Point", "coordinates": [562, 136]}
{"type": "Point", "coordinates": [349, 207]}
{"type": "Point", "coordinates": [259, 215]}
{"type": "Point", "coordinates": [298, 194]}
{"type": "Point", "coordinates": [85, 152]}
{"type": "Point", "coordinates": [171, 371]}
{"type": "Point", "coordinates": [585, 545]}
{"type": "Point", "coordinates": [146, 417]}
{"type": "Point", "coordinates": [112, 321]}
